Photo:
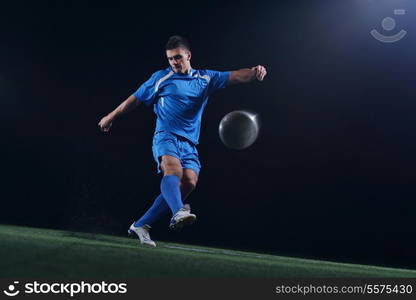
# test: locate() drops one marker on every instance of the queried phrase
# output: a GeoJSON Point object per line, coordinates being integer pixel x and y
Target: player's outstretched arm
{"type": "Point", "coordinates": [127, 105]}
{"type": "Point", "coordinates": [247, 75]}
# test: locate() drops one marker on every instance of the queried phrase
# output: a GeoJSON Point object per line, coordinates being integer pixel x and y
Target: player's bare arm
{"type": "Point", "coordinates": [247, 75]}
{"type": "Point", "coordinates": [127, 105]}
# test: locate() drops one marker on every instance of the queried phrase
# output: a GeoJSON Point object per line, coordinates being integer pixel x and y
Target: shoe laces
{"type": "Point", "coordinates": [146, 231]}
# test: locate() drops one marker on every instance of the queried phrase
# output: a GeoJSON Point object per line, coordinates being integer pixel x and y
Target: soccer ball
{"type": "Point", "coordinates": [239, 129]}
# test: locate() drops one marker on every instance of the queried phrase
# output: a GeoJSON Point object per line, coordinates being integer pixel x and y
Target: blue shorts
{"type": "Point", "coordinates": [167, 143]}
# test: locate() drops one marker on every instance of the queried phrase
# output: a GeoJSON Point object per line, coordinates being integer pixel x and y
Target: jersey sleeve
{"type": "Point", "coordinates": [218, 80]}
{"type": "Point", "coordinates": [147, 92]}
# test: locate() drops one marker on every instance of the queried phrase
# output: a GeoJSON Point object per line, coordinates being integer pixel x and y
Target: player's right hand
{"type": "Point", "coordinates": [260, 72]}
{"type": "Point", "coordinates": [105, 124]}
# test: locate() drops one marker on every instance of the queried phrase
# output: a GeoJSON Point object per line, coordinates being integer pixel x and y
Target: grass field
{"type": "Point", "coordinates": [32, 252]}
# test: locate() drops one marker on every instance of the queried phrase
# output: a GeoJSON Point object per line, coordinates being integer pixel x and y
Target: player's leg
{"type": "Point", "coordinates": [166, 152]}
{"type": "Point", "coordinates": [170, 184]}
{"type": "Point", "coordinates": [170, 187]}
{"type": "Point", "coordinates": [160, 208]}
{"type": "Point", "coordinates": [188, 182]}
{"type": "Point", "coordinates": [191, 167]}
{"type": "Point", "coordinates": [163, 144]}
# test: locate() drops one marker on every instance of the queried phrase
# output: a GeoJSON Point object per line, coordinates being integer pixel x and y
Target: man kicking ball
{"type": "Point", "coordinates": [179, 95]}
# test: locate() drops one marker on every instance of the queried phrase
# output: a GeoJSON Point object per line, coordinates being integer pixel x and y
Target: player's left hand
{"type": "Point", "coordinates": [105, 123]}
{"type": "Point", "coordinates": [260, 72]}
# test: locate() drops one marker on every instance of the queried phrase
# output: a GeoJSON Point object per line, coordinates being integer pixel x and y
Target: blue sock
{"type": "Point", "coordinates": [155, 212]}
{"type": "Point", "coordinates": [171, 192]}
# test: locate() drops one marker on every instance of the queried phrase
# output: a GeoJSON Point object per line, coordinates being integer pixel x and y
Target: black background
{"type": "Point", "coordinates": [331, 175]}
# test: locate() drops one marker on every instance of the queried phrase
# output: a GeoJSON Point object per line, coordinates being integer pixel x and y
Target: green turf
{"type": "Point", "coordinates": [32, 252]}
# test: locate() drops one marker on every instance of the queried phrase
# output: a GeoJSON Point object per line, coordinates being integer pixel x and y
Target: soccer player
{"type": "Point", "coordinates": [179, 95]}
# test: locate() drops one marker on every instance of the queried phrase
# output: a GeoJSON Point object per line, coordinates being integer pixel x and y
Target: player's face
{"type": "Point", "coordinates": [179, 59]}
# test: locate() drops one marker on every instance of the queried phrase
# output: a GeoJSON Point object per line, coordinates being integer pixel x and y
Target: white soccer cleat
{"type": "Point", "coordinates": [143, 234]}
{"type": "Point", "coordinates": [182, 217]}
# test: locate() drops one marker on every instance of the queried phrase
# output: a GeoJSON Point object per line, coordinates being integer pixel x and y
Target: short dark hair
{"type": "Point", "coordinates": [176, 41]}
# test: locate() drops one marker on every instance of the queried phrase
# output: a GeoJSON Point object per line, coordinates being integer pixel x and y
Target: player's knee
{"type": "Point", "coordinates": [172, 170]}
{"type": "Point", "coordinates": [171, 167]}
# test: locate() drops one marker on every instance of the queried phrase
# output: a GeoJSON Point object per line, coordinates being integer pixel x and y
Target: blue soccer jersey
{"type": "Point", "coordinates": [179, 99]}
